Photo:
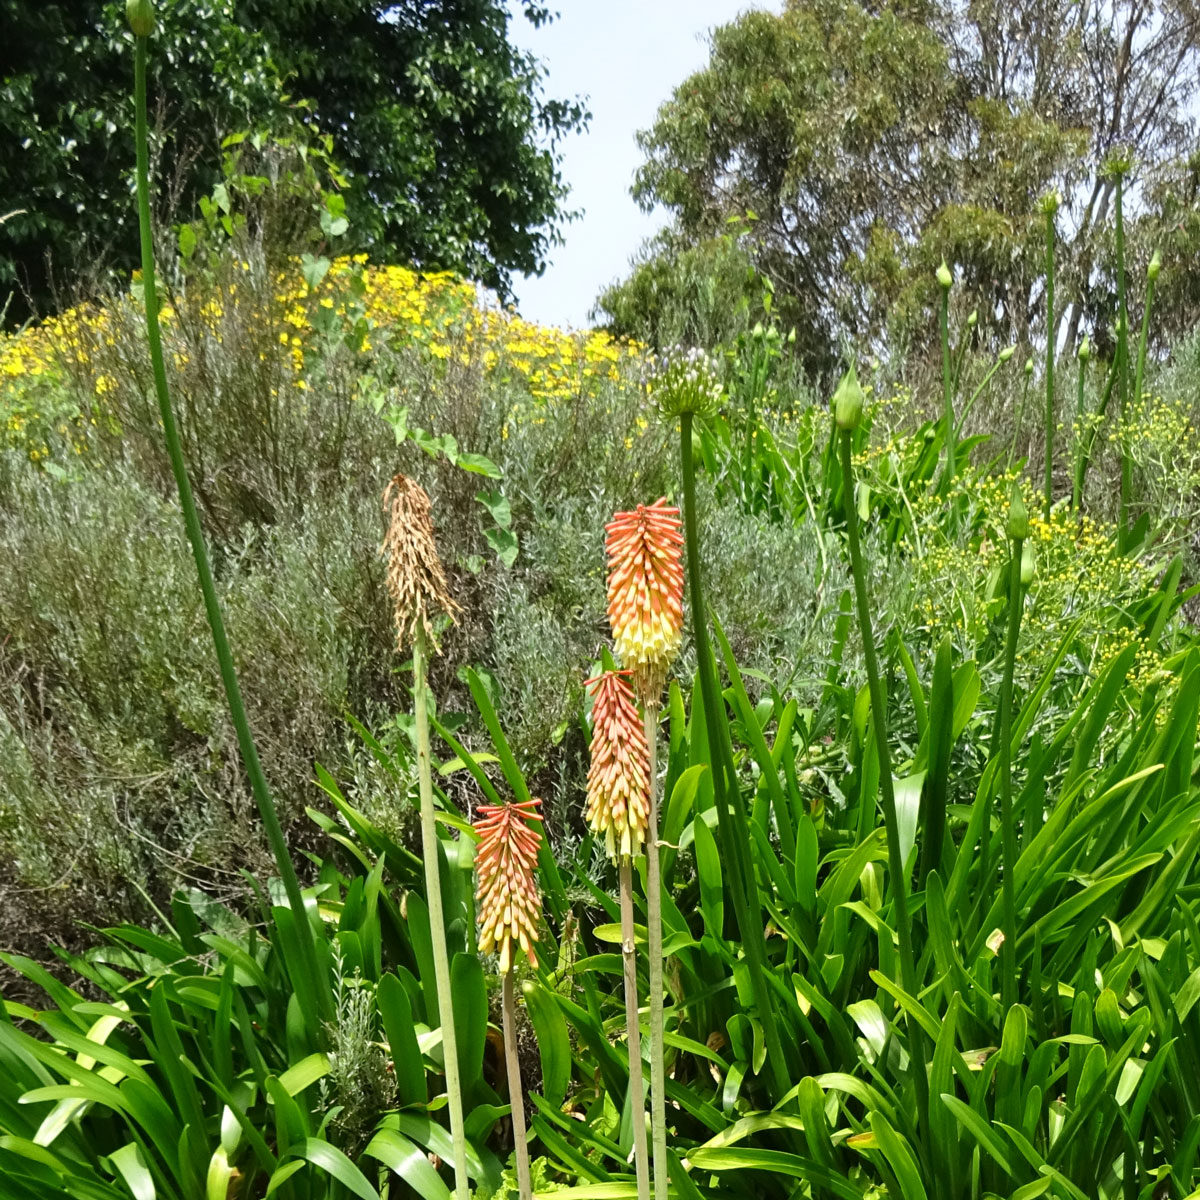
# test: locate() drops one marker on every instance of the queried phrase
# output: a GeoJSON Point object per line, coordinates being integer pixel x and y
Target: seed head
{"type": "Point", "coordinates": [645, 592]}
{"type": "Point", "coordinates": [618, 786]}
{"type": "Point", "coordinates": [509, 901]}
{"type": "Point", "coordinates": [415, 576]}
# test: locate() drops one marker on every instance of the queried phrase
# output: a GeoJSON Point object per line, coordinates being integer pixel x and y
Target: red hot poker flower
{"type": "Point", "coordinates": [618, 788]}
{"type": "Point", "coordinates": [509, 901]}
{"type": "Point", "coordinates": [645, 592]}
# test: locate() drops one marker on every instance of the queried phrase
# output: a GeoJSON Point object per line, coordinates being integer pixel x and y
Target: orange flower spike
{"type": "Point", "coordinates": [618, 787]}
{"type": "Point", "coordinates": [509, 901]}
{"type": "Point", "coordinates": [645, 592]}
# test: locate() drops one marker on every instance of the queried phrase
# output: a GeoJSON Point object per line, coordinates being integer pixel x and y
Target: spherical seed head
{"type": "Point", "coordinates": [1050, 202]}
{"type": "Point", "coordinates": [645, 592]}
{"type": "Point", "coordinates": [1155, 266]}
{"type": "Point", "coordinates": [685, 380]}
{"type": "Point", "coordinates": [1018, 515]}
{"type": "Point", "coordinates": [944, 278]}
{"type": "Point", "coordinates": [848, 401]}
{"type": "Point", "coordinates": [618, 786]}
{"type": "Point", "coordinates": [415, 577]}
{"type": "Point", "coordinates": [140, 15]}
{"type": "Point", "coordinates": [510, 903]}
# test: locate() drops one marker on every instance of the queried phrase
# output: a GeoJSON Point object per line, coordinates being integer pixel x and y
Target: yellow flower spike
{"type": "Point", "coordinates": [618, 786]}
{"type": "Point", "coordinates": [509, 900]}
{"type": "Point", "coordinates": [645, 592]}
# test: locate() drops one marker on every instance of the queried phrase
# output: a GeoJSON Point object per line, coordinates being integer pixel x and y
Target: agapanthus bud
{"type": "Point", "coordinates": [509, 901]}
{"type": "Point", "coordinates": [1027, 564]}
{"type": "Point", "coordinates": [618, 785]}
{"type": "Point", "coordinates": [1155, 266]}
{"type": "Point", "coordinates": [685, 381]}
{"type": "Point", "coordinates": [1029, 366]}
{"type": "Point", "coordinates": [973, 318]}
{"type": "Point", "coordinates": [140, 15]}
{"type": "Point", "coordinates": [1050, 202]}
{"type": "Point", "coordinates": [944, 278]}
{"type": "Point", "coordinates": [1085, 349]}
{"type": "Point", "coordinates": [1007, 353]}
{"type": "Point", "coordinates": [645, 592]}
{"type": "Point", "coordinates": [848, 401]}
{"type": "Point", "coordinates": [1018, 515]}
{"type": "Point", "coordinates": [415, 577]}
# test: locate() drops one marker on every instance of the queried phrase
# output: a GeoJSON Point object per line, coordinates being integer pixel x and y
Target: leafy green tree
{"type": "Point", "coordinates": [448, 142]}
{"type": "Point", "coordinates": [870, 140]}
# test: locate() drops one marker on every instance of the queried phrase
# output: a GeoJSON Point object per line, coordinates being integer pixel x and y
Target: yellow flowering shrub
{"type": "Point", "coordinates": [47, 370]}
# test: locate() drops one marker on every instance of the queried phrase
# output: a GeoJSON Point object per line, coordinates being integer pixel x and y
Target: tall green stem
{"type": "Point", "coordinates": [1080, 414]}
{"type": "Point", "coordinates": [1008, 950]}
{"type": "Point", "coordinates": [437, 920]}
{"type": "Point", "coordinates": [1050, 348]}
{"type": "Point", "coordinates": [654, 937]}
{"type": "Point", "coordinates": [731, 817]}
{"type": "Point", "coordinates": [908, 966]}
{"type": "Point", "coordinates": [637, 1089]}
{"type": "Point", "coordinates": [195, 535]}
{"type": "Point", "coordinates": [1020, 418]}
{"type": "Point", "coordinates": [1123, 359]}
{"type": "Point", "coordinates": [516, 1094]}
{"type": "Point", "coordinates": [947, 392]}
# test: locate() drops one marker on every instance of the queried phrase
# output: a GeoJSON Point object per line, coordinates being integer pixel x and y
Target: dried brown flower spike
{"type": "Point", "coordinates": [415, 576]}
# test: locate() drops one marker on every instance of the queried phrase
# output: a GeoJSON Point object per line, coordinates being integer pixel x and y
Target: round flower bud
{"type": "Point", "coordinates": [1029, 366]}
{"type": "Point", "coordinates": [848, 401]}
{"type": "Point", "coordinates": [973, 319]}
{"type": "Point", "coordinates": [1155, 266]}
{"type": "Point", "coordinates": [944, 278]}
{"type": "Point", "coordinates": [1018, 516]}
{"type": "Point", "coordinates": [1085, 349]}
{"type": "Point", "coordinates": [1026, 564]}
{"type": "Point", "coordinates": [1050, 202]}
{"type": "Point", "coordinates": [1007, 353]}
{"type": "Point", "coordinates": [140, 15]}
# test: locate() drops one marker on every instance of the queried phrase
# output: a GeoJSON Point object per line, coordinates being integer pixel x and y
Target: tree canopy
{"type": "Point", "coordinates": [862, 142]}
{"type": "Point", "coordinates": [447, 140]}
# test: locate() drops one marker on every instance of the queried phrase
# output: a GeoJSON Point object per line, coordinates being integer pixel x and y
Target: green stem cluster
{"type": "Point", "coordinates": [195, 535]}
{"type": "Point", "coordinates": [947, 392]}
{"type": "Point", "coordinates": [731, 818]}
{"type": "Point", "coordinates": [437, 920]}
{"type": "Point", "coordinates": [1008, 950]}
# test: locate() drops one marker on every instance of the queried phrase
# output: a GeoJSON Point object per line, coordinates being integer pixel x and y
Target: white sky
{"type": "Point", "coordinates": [625, 57]}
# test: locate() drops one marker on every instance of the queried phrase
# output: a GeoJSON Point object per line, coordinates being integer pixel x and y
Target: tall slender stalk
{"type": "Point", "coordinates": [195, 535]}
{"type": "Point", "coordinates": [944, 281]}
{"type": "Point", "coordinates": [1020, 416]}
{"type": "Point", "coordinates": [732, 824]}
{"type": "Point", "coordinates": [1084, 355]}
{"type": "Point", "coordinates": [908, 969]}
{"type": "Point", "coordinates": [654, 937]}
{"type": "Point", "coordinates": [1049, 207]}
{"type": "Point", "coordinates": [516, 1098]}
{"type": "Point", "coordinates": [1018, 529]}
{"type": "Point", "coordinates": [437, 920]}
{"type": "Point", "coordinates": [637, 1088]}
{"type": "Point", "coordinates": [1122, 354]}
